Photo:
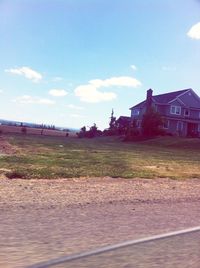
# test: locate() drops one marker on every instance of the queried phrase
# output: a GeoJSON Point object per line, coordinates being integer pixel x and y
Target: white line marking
{"type": "Point", "coordinates": [113, 247]}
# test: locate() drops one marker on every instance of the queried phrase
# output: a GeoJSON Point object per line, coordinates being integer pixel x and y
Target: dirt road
{"type": "Point", "coordinates": [42, 219]}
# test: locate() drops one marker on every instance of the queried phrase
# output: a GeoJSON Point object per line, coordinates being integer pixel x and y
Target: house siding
{"type": "Point", "coordinates": [162, 109]}
{"type": "Point", "coordinates": [183, 124]}
{"type": "Point", "coordinates": [172, 126]}
{"type": "Point", "coordinates": [190, 99]}
{"type": "Point", "coordinates": [193, 114]}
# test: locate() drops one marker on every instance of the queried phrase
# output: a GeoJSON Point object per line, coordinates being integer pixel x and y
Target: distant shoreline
{"type": "Point", "coordinates": [36, 125]}
{"type": "Point", "coordinates": [27, 130]}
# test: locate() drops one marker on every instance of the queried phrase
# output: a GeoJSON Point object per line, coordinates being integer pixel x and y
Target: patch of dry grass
{"type": "Point", "coordinates": [60, 157]}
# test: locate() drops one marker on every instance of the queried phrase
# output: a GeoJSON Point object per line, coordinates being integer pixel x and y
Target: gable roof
{"type": "Point", "coordinates": [123, 119]}
{"type": "Point", "coordinates": [139, 105]}
{"type": "Point", "coordinates": [163, 98]}
{"type": "Point", "coordinates": [167, 97]}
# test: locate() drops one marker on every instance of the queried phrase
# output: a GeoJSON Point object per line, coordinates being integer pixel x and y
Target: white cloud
{"type": "Point", "coordinates": [45, 101]}
{"type": "Point", "coordinates": [123, 81]}
{"type": "Point", "coordinates": [194, 31]}
{"type": "Point", "coordinates": [77, 115]}
{"type": "Point", "coordinates": [57, 79]}
{"type": "Point", "coordinates": [133, 67]}
{"type": "Point", "coordinates": [26, 99]}
{"type": "Point", "coordinates": [91, 93]}
{"type": "Point", "coordinates": [26, 72]}
{"type": "Point", "coordinates": [72, 106]}
{"type": "Point", "coordinates": [168, 68]}
{"type": "Point", "coordinates": [1, 91]}
{"type": "Point", "coordinates": [58, 92]}
{"type": "Point", "coordinates": [62, 115]}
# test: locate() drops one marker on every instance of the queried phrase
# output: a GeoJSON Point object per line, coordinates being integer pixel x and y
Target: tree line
{"type": "Point", "coordinates": [151, 125]}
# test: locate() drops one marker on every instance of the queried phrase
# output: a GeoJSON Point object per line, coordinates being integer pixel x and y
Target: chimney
{"type": "Point", "coordinates": [149, 98]}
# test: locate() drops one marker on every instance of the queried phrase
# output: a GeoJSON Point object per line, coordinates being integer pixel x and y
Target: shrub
{"type": "Point", "coordinates": [132, 132]}
{"type": "Point", "coordinates": [24, 130]}
{"type": "Point", "coordinates": [151, 123]}
{"type": "Point", "coordinates": [91, 133]}
{"type": "Point", "coordinates": [15, 175]}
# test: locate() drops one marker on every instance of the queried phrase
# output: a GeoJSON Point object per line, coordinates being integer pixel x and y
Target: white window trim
{"type": "Point", "coordinates": [176, 108]}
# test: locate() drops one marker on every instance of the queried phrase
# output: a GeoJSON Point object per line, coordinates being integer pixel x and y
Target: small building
{"type": "Point", "coordinates": [180, 111]}
{"type": "Point", "coordinates": [122, 124]}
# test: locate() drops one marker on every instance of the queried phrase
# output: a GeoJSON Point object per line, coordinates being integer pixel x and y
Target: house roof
{"type": "Point", "coordinates": [124, 118]}
{"type": "Point", "coordinates": [139, 105]}
{"type": "Point", "coordinates": [163, 98]}
{"type": "Point", "coordinates": [167, 97]}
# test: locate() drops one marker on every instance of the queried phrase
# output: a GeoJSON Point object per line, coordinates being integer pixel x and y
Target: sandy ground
{"type": "Point", "coordinates": [6, 147]}
{"type": "Point", "coordinates": [42, 219]}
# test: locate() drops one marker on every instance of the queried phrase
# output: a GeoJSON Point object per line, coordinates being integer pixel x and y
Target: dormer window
{"type": "Point", "coordinates": [175, 110]}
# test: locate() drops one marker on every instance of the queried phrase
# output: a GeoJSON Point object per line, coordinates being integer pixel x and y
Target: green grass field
{"type": "Point", "coordinates": [59, 157]}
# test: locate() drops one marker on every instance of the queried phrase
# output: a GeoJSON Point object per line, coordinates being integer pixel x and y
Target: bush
{"type": "Point", "coordinates": [132, 132]}
{"type": "Point", "coordinates": [132, 135]}
{"type": "Point", "coordinates": [93, 132]}
{"type": "Point", "coordinates": [24, 130]}
{"type": "Point", "coordinates": [151, 123]}
{"type": "Point", "coordinates": [15, 175]}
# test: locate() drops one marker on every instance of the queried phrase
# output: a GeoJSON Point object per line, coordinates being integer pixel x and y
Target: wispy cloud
{"type": "Point", "coordinates": [194, 31]}
{"type": "Point", "coordinates": [58, 92]}
{"type": "Point", "coordinates": [26, 99]}
{"type": "Point", "coordinates": [169, 68]}
{"type": "Point", "coordinates": [77, 115]}
{"type": "Point", "coordinates": [133, 67]}
{"type": "Point", "coordinates": [27, 72]}
{"type": "Point", "coordinates": [1, 91]}
{"type": "Point", "coordinates": [121, 81]}
{"type": "Point", "coordinates": [72, 106]}
{"type": "Point", "coordinates": [57, 79]}
{"type": "Point", "coordinates": [91, 91]}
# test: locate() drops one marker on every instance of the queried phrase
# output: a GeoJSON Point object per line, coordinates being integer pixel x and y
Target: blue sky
{"type": "Point", "coordinates": [69, 62]}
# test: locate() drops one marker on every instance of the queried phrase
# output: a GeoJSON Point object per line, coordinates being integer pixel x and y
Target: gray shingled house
{"type": "Point", "coordinates": [180, 111]}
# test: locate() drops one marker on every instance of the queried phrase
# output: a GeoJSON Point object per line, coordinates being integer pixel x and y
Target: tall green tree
{"type": "Point", "coordinates": [112, 121]}
{"type": "Point", "coordinates": [151, 123]}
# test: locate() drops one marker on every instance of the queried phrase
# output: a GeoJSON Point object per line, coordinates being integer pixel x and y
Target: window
{"type": "Point", "coordinates": [138, 123]}
{"type": "Point", "coordinates": [179, 126]}
{"type": "Point", "coordinates": [186, 112]}
{"type": "Point", "coordinates": [136, 112]}
{"type": "Point", "coordinates": [175, 110]}
{"type": "Point", "coordinates": [166, 124]}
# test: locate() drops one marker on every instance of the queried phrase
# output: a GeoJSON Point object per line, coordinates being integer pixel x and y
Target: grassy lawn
{"type": "Point", "coordinates": [60, 157]}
